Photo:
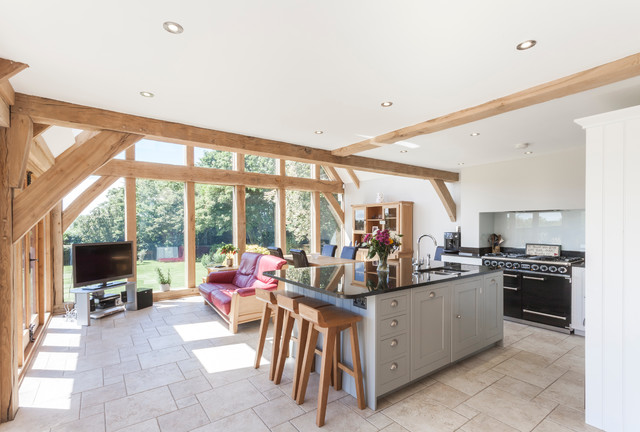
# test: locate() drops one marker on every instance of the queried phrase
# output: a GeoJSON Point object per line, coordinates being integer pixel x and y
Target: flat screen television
{"type": "Point", "coordinates": [99, 263]}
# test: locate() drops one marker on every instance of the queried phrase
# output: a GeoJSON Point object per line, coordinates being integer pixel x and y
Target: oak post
{"type": "Point", "coordinates": [315, 213]}
{"type": "Point", "coordinates": [57, 268]}
{"type": "Point", "coordinates": [281, 209]}
{"type": "Point", "coordinates": [190, 225]}
{"type": "Point", "coordinates": [239, 208]}
{"type": "Point", "coordinates": [130, 217]}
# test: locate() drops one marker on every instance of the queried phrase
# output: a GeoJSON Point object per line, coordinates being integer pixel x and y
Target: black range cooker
{"type": "Point", "coordinates": [537, 287]}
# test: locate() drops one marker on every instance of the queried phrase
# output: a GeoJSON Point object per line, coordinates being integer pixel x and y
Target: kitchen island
{"type": "Point", "coordinates": [412, 325]}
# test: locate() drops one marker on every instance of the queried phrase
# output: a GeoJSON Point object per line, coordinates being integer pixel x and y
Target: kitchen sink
{"type": "Point", "coordinates": [443, 271]}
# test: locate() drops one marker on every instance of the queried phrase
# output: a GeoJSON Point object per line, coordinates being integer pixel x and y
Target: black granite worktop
{"type": "Point", "coordinates": [361, 278]}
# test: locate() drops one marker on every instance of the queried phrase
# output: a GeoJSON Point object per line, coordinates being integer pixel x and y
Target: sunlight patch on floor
{"type": "Point", "coordinates": [201, 331]}
{"type": "Point", "coordinates": [227, 357]}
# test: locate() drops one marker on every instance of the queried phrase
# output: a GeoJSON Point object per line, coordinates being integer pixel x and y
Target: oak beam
{"type": "Point", "coordinates": [335, 207]}
{"type": "Point", "coordinates": [55, 244]}
{"type": "Point", "coordinates": [9, 68]}
{"type": "Point", "coordinates": [156, 171]}
{"type": "Point", "coordinates": [608, 73]}
{"type": "Point", "coordinates": [19, 137]}
{"type": "Point", "coordinates": [72, 167]}
{"type": "Point", "coordinates": [5, 114]}
{"type": "Point", "coordinates": [49, 111]}
{"type": "Point", "coordinates": [315, 213]}
{"type": "Point", "coordinates": [190, 224]}
{"type": "Point", "coordinates": [239, 210]}
{"type": "Point", "coordinates": [445, 196]}
{"type": "Point", "coordinates": [7, 93]}
{"type": "Point", "coordinates": [130, 205]}
{"type": "Point", "coordinates": [281, 209]}
{"type": "Point", "coordinates": [39, 128]}
{"type": "Point", "coordinates": [8, 318]}
{"type": "Point", "coordinates": [74, 209]}
{"type": "Point", "coordinates": [354, 178]}
{"type": "Point", "coordinates": [332, 173]}
{"type": "Point", "coordinates": [40, 157]}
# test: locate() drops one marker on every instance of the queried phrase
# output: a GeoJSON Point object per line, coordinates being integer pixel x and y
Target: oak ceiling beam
{"type": "Point", "coordinates": [59, 113]}
{"type": "Point", "coordinates": [9, 68]}
{"type": "Point", "coordinates": [39, 128]}
{"type": "Point", "coordinates": [335, 207]}
{"type": "Point", "coordinates": [332, 173]}
{"type": "Point", "coordinates": [19, 137]}
{"type": "Point", "coordinates": [354, 178]}
{"type": "Point", "coordinates": [5, 114]}
{"type": "Point", "coordinates": [71, 167]}
{"type": "Point", "coordinates": [81, 202]}
{"type": "Point", "coordinates": [608, 73]}
{"type": "Point", "coordinates": [7, 93]}
{"type": "Point", "coordinates": [40, 157]}
{"type": "Point", "coordinates": [156, 171]}
{"type": "Point", "coordinates": [445, 197]}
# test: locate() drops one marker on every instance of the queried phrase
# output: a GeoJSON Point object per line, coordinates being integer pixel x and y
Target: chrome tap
{"type": "Point", "coordinates": [435, 243]}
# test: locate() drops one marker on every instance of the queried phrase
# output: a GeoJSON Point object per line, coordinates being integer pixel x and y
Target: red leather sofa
{"type": "Point", "coordinates": [231, 293]}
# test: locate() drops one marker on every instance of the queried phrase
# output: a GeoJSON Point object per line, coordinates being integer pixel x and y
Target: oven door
{"type": "Point", "coordinates": [546, 299]}
{"type": "Point", "coordinates": [512, 294]}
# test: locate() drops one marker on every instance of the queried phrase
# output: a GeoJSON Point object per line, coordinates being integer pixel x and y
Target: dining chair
{"type": "Point", "coordinates": [275, 251]}
{"type": "Point", "coordinates": [348, 252]}
{"type": "Point", "coordinates": [299, 258]}
{"type": "Point", "coordinates": [329, 250]}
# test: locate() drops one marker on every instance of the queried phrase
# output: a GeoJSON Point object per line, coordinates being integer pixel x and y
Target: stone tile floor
{"type": "Point", "coordinates": [175, 367]}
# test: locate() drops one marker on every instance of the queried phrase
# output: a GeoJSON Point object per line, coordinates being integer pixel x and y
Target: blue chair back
{"type": "Point", "coordinates": [329, 250]}
{"type": "Point", "coordinates": [299, 258]}
{"type": "Point", "coordinates": [438, 254]}
{"type": "Point", "coordinates": [348, 252]}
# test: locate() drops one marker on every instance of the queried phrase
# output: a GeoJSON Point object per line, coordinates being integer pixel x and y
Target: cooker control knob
{"type": "Point", "coordinates": [494, 263]}
{"type": "Point", "coordinates": [501, 264]}
{"type": "Point", "coordinates": [516, 265]}
{"type": "Point", "coordinates": [487, 262]}
{"type": "Point", "coordinates": [553, 269]}
{"type": "Point", "coordinates": [544, 268]}
{"type": "Point", "coordinates": [562, 270]}
{"type": "Point", "coordinates": [509, 264]}
{"type": "Point", "coordinates": [535, 267]}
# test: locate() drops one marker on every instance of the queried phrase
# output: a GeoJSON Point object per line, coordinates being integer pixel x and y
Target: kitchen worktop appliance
{"type": "Point", "coordinates": [537, 285]}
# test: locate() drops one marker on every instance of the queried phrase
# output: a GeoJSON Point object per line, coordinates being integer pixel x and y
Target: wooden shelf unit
{"type": "Point", "coordinates": [397, 217]}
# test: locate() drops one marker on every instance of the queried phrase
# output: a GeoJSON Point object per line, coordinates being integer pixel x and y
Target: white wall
{"type": "Point", "coordinates": [429, 215]}
{"type": "Point", "coordinates": [612, 349]}
{"type": "Point", "coordinates": [548, 182]}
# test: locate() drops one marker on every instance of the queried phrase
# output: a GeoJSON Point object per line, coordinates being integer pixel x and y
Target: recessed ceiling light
{"type": "Point", "coordinates": [318, 132]}
{"type": "Point", "coordinates": [386, 104]}
{"type": "Point", "coordinates": [173, 27]}
{"type": "Point", "coordinates": [460, 163]}
{"type": "Point", "coordinates": [146, 94]}
{"type": "Point", "coordinates": [528, 152]}
{"type": "Point", "coordinates": [474, 133]}
{"type": "Point", "coordinates": [403, 151]}
{"type": "Point", "coordinates": [526, 45]}
{"type": "Point", "coordinates": [522, 146]}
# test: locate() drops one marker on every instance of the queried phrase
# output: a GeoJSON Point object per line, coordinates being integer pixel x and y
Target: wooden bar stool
{"type": "Point", "coordinates": [290, 307]}
{"type": "Point", "coordinates": [329, 321]}
{"type": "Point", "coordinates": [270, 306]}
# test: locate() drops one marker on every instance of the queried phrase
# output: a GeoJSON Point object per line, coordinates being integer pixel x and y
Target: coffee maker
{"type": "Point", "coordinates": [452, 242]}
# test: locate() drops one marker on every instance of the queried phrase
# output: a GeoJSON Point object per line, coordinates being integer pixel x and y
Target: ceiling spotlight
{"type": "Point", "coordinates": [528, 152]}
{"type": "Point", "coordinates": [522, 146]}
{"type": "Point", "coordinates": [526, 45]}
{"type": "Point", "coordinates": [474, 133]}
{"type": "Point", "coordinates": [173, 27]}
{"type": "Point", "coordinates": [386, 104]}
{"type": "Point", "coordinates": [403, 151]}
{"type": "Point", "coordinates": [318, 132]}
{"type": "Point", "coordinates": [146, 94]}
{"type": "Point", "coordinates": [460, 163]}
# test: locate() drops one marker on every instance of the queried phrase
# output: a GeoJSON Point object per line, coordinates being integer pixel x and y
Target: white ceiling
{"type": "Point", "coordinates": [283, 69]}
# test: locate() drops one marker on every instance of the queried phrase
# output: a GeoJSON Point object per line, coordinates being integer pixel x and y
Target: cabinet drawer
{"type": "Point", "coordinates": [393, 347]}
{"type": "Point", "coordinates": [393, 304]}
{"type": "Point", "coordinates": [392, 325]}
{"type": "Point", "coordinates": [393, 374]}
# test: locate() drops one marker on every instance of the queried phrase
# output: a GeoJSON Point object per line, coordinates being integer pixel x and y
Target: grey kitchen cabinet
{"type": "Point", "coordinates": [493, 308]}
{"type": "Point", "coordinates": [392, 341]}
{"type": "Point", "coordinates": [430, 329]}
{"type": "Point", "coordinates": [467, 334]}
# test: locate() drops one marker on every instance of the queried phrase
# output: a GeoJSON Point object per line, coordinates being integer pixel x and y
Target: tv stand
{"type": "Point", "coordinates": [83, 297]}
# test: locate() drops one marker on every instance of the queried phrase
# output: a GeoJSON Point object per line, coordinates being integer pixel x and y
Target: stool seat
{"type": "Point", "coordinates": [330, 321]}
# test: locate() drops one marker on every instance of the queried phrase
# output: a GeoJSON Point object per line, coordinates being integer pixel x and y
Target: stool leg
{"type": "Point", "coordinates": [309, 359]}
{"type": "Point", "coordinates": [357, 367]}
{"type": "Point", "coordinates": [303, 329]}
{"type": "Point", "coordinates": [284, 347]}
{"type": "Point", "coordinates": [264, 325]}
{"type": "Point", "coordinates": [328, 347]}
{"type": "Point", "coordinates": [277, 333]}
{"type": "Point", "coordinates": [335, 370]}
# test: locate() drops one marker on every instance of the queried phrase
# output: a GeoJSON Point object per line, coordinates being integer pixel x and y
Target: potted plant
{"type": "Point", "coordinates": [381, 243]}
{"type": "Point", "coordinates": [229, 251]}
{"type": "Point", "coordinates": [164, 280]}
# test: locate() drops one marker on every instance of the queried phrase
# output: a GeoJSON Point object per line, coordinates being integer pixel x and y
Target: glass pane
{"type": "Point", "coordinates": [261, 218]}
{"type": "Point", "coordinates": [101, 221]}
{"type": "Point", "coordinates": [359, 220]}
{"type": "Point", "coordinates": [323, 174]}
{"type": "Point", "coordinates": [330, 228]}
{"type": "Point", "coordinates": [298, 219]}
{"type": "Point", "coordinates": [390, 218]}
{"type": "Point", "coordinates": [298, 169]}
{"type": "Point", "coordinates": [160, 218]}
{"type": "Point", "coordinates": [214, 225]}
{"type": "Point", "coordinates": [160, 152]}
{"type": "Point", "coordinates": [213, 158]}
{"type": "Point", "coordinates": [259, 164]}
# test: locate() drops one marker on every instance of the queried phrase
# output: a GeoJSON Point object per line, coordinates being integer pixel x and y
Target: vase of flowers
{"type": "Point", "coordinates": [382, 243]}
{"type": "Point", "coordinates": [229, 250]}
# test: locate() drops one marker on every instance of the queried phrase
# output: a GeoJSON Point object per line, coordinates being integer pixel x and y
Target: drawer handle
{"type": "Point", "coordinates": [394, 303]}
{"type": "Point", "coordinates": [458, 316]}
{"type": "Point", "coordinates": [394, 342]}
{"type": "Point", "coordinates": [393, 366]}
{"type": "Point", "coordinates": [432, 294]}
{"type": "Point", "coordinates": [394, 323]}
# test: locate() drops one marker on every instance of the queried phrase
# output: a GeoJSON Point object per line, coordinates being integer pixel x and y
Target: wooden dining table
{"type": "Point", "coordinates": [322, 260]}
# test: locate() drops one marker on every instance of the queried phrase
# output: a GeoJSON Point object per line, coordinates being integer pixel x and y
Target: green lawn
{"type": "Point", "coordinates": [147, 276]}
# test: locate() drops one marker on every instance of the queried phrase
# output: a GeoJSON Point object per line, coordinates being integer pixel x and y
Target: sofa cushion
{"type": "Point", "coordinates": [266, 263]}
{"type": "Point", "coordinates": [222, 276]}
{"type": "Point", "coordinates": [247, 268]}
{"type": "Point", "coordinates": [246, 292]}
{"type": "Point", "coordinates": [221, 295]}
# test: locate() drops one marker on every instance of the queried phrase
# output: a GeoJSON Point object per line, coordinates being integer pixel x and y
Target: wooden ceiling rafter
{"type": "Point", "coordinates": [446, 198]}
{"type": "Point", "coordinates": [8, 69]}
{"type": "Point", "coordinates": [49, 111]}
{"type": "Point", "coordinates": [608, 73]}
{"type": "Point", "coordinates": [354, 178]}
